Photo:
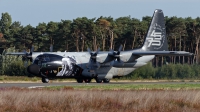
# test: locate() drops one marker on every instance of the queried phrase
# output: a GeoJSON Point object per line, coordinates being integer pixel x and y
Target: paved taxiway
{"type": "Point", "coordinates": [32, 85]}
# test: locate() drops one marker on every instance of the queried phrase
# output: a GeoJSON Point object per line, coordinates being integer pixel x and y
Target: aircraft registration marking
{"type": "Point", "coordinates": [155, 39]}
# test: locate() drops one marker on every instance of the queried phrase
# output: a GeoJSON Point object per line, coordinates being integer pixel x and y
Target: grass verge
{"type": "Point", "coordinates": [130, 87]}
{"type": "Point", "coordinates": [68, 99]}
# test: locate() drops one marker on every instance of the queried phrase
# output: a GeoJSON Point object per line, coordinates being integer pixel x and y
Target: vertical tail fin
{"type": "Point", "coordinates": [156, 39]}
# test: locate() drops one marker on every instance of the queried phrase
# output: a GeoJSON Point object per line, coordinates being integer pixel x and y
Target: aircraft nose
{"type": "Point", "coordinates": [33, 69]}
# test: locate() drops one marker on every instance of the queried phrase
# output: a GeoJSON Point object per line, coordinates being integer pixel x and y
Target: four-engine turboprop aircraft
{"type": "Point", "coordinates": [105, 65]}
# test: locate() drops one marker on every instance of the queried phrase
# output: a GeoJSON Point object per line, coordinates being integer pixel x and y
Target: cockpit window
{"type": "Point", "coordinates": [48, 57]}
{"type": "Point", "coordinates": [43, 58]}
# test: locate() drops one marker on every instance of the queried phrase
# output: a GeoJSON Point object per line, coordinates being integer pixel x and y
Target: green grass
{"type": "Point", "coordinates": [130, 87]}
{"type": "Point", "coordinates": [26, 78]}
{"type": "Point", "coordinates": [18, 78]}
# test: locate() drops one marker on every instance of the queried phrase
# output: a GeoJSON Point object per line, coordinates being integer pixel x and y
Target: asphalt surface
{"type": "Point", "coordinates": [34, 85]}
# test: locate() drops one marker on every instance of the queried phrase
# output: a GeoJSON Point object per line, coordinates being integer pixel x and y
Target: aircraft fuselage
{"type": "Point", "coordinates": [75, 65]}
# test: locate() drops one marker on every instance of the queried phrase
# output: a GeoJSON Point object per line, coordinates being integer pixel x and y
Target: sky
{"type": "Point", "coordinates": [34, 12]}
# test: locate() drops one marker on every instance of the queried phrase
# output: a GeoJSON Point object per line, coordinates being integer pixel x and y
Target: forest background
{"type": "Point", "coordinates": [107, 33]}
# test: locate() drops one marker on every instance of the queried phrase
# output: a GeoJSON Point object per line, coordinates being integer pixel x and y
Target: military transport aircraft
{"type": "Point", "coordinates": [102, 65]}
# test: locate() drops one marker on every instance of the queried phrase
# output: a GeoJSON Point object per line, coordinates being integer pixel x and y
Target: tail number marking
{"type": "Point", "coordinates": [155, 39]}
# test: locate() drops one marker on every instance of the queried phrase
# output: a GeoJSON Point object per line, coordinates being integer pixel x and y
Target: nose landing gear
{"type": "Point", "coordinates": [45, 80]}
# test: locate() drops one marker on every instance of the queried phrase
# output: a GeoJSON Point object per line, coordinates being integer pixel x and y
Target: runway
{"type": "Point", "coordinates": [33, 85]}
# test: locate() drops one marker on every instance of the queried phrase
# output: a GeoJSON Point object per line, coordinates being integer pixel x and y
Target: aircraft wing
{"type": "Point", "coordinates": [16, 53]}
{"type": "Point", "coordinates": [163, 53]}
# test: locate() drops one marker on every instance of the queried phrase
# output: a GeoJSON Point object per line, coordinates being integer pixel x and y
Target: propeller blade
{"type": "Point", "coordinates": [98, 65]}
{"type": "Point", "coordinates": [120, 48]}
{"type": "Point", "coordinates": [17, 53]}
{"type": "Point", "coordinates": [89, 50]}
{"type": "Point", "coordinates": [97, 51]}
{"type": "Point", "coordinates": [111, 50]}
{"type": "Point", "coordinates": [51, 48]}
{"type": "Point", "coordinates": [24, 51]}
{"type": "Point", "coordinates": [25, 63]}
{"type": "Point", "coordinates": [32, 49]}
{"type": "Point", "coordinates": [25, 56]}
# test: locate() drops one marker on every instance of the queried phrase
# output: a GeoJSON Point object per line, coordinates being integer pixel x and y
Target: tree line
{"type": "Point", "coordinates": [104, 32]}
{"type": "Point", "coordinates": [168, 71]}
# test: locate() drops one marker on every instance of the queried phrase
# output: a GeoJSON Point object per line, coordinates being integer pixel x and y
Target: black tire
{"type": "Point", "coordinates": [88, 80]}
{"type": "Point", "coordinates": [106, 80]}
{"type": "Point", "coordinates": [79, 80]}
{"type": "Point", "coordinates": [45, 80]}
{"type": "Point", "coordinates": [98, 80]}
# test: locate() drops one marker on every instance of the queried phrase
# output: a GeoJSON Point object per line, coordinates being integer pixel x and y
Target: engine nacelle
{"type": "Point", "coordinates": [127, 65]}
{"type": "Point", "coordinates": [104, 58]}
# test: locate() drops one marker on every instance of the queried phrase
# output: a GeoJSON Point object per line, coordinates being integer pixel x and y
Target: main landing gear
{"type": "Point", "coordinates": [105, 80]}
{"type": "Point", "coordinates": [88, 80]}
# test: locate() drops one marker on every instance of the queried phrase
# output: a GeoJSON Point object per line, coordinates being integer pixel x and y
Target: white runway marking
{"type": "Point", "coordinates": [36, 86]}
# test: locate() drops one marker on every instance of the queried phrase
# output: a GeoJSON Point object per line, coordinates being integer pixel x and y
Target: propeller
{"type": "Point", "coordinates": [27, 56]}
{"type": "Point", "coordinates": [93, 60]}
{"type": "Point", "coordinates": [116, 54]}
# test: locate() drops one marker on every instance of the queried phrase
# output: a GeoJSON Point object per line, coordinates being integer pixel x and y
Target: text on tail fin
{"type": "Point", "coordinates": [156, 36]}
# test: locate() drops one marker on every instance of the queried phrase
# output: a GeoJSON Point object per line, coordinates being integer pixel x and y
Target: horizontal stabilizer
{"type": "Point", "coordinates": [163, 53]}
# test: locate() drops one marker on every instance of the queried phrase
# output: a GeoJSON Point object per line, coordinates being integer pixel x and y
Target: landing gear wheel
{"type": "Point", "coordinates": [98, 80]}
{"type": "Point", "coordinates": [106, 80]}
{"type": "Point", "coordinates": [79, 80]}
{"type": "Point", "coordinates": [45, 80]}
{"type": "Point", "coordinates": [87, 80]}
